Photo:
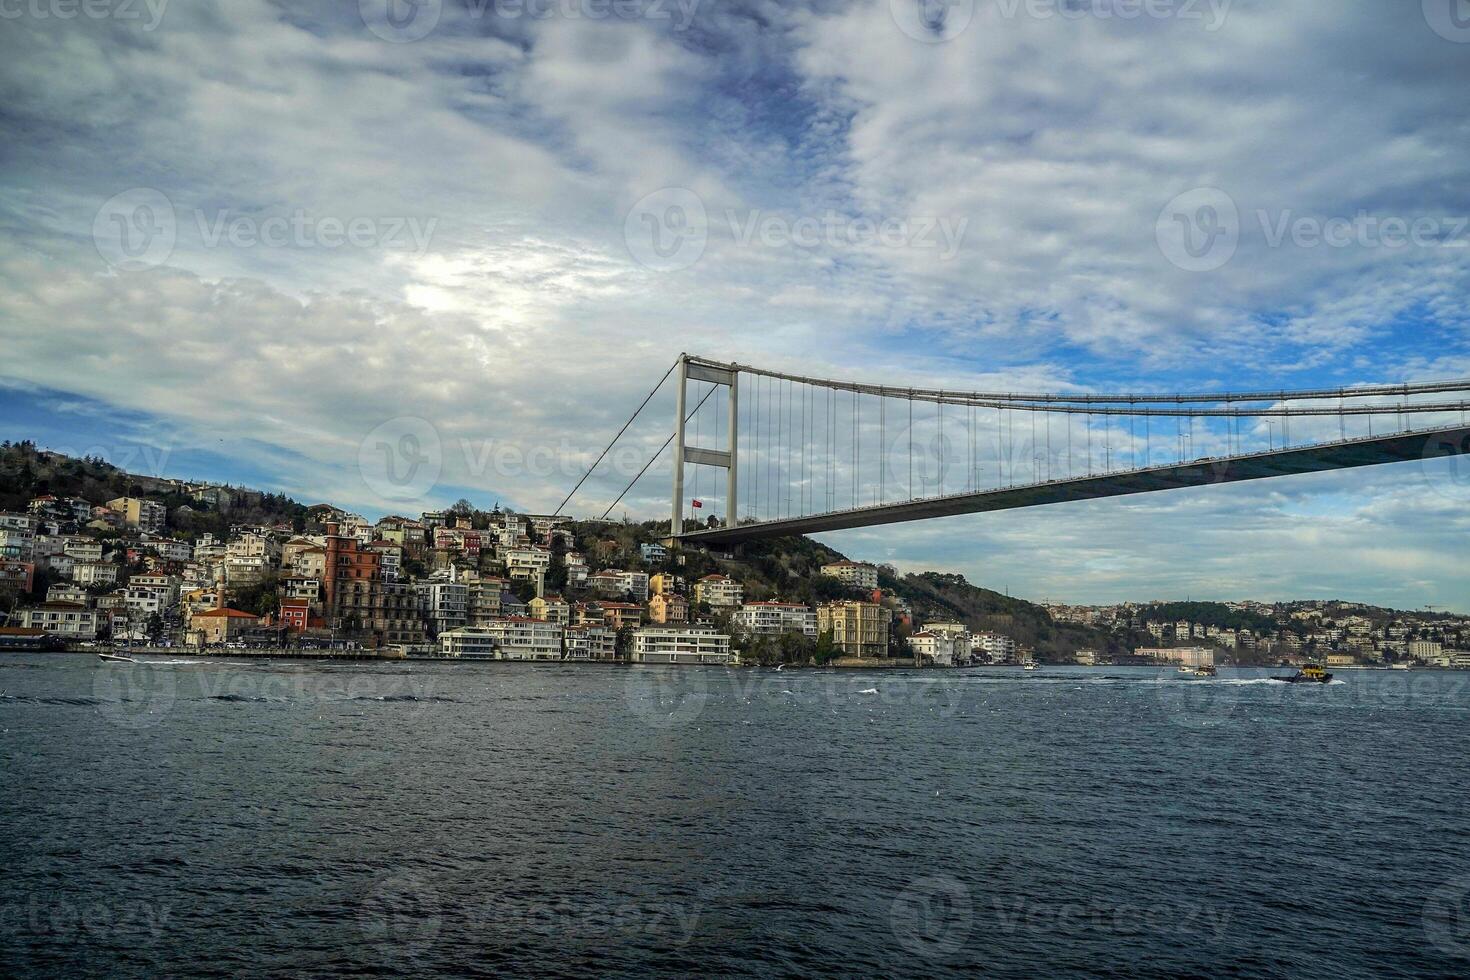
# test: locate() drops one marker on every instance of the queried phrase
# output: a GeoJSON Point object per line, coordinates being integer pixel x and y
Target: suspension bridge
{"type": "Point", "coordinates": [789, 454]}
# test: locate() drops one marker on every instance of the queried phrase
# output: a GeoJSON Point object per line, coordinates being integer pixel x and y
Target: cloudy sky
{"type": "Point", "coordinates": [268, 242]}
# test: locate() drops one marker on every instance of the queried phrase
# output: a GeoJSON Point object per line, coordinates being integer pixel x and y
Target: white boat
{"type": "Point", "coordinates": [1030, 665]}
{"type": "Point", "coordinates": [116, 658]}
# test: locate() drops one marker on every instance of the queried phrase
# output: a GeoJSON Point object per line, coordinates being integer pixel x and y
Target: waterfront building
{"type": "Point", "coordinates": [997, 648]}
{"type": "Point", "coordinates": [1184, 656]}
{"type": "Point", "coordinates": [71, 620]}
{"type": "Point", "coordinates": [523, 638]}
{"type": "Point", "coordinates": [959, 637]}
{"type": "Point", "coordinates": [470, 643]}
{"type": "Point", "coordinates": [1425, 649]}
{"type": "Point", "coordinates": [859, 629]}
{"type": "Point", "coordinates": [591, 641]}
{"type": "Point", "coordinates": [772, 618]}
{"type": "Point", "coordinates": [218, 626]}
{"type": "Point", "coordinates": [680, 645]}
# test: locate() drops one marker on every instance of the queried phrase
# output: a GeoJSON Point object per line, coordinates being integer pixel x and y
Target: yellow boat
{"type": "Point", "coordinates": [1309, 674]}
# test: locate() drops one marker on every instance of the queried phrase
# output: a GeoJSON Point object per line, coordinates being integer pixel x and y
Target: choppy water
{"type": "Point", "coordinates": [196, 817]}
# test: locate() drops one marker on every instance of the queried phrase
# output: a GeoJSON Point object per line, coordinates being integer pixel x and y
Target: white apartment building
{"type": "Point", "coordinates": [66, 592]}
{"type": "Point", "coordinates": [94, 573]}
{"type": "Point", "coordinates": [82, 549]}
{"type": "Point", "coordinates": [959, 637]}
{"type": "Point", "coordinates": [680, 645]}
{"type": "Point", "coordinates": [576, 569]}
{"type": "Point", "coordinates": [68, 619]}
{"type": "Point", "coordinates": [1185, 656]}
{"type": "Point", "coordinates": [142, 603]}
{"type": "Point", "coordinates": [166, 587]}
{"type": "Point", "coordinates": [390, 560]}
{"type": "Point", "coordinates": [939, 649]}
{"type": "Point", "coordinates": [997, 647]}
{"type": "Point", "coordinates": [469, 643]}
{"type": "Point", "coordinates": [445, 605]}
{"type": "Point", "coordinates": [16, 543]}
{"type": "Point", "coordinates": [523, 638]}
{"type": "Point", "coordinates": [246, 569]}
{"type": "Point", "coordinates": [614, 582]}
{"type": "Point", "coordinates": [719, 591]}
{"type": "Point", "coordinates": [527, 564]}
{"type": "Point", "coordinates": [854, 573]}
{"type": "Point", "coordinates": [773, 618]}
{"type": "Point", "coordinates": [591, 642]}
{"type": "Point", "coordinates": [169, 549]}
{"type": "Point", "coordinates": [1425, 649]}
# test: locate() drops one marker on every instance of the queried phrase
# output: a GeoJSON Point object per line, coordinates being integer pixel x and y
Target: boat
{"type": "Point", "coordinates": [1030, 665]}
{"type": "Point", "coordinates": [1185, 669]}
{"type": "Point", "coordinates": [1309, 674]}
{"type": "Point", "coordinates": [116, 658]}
{"type": "Point", "coordinates": [1204, 670]}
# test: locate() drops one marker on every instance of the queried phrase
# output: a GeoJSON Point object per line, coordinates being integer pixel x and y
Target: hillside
{"type": "Point", "coordinates": [27, 472]}
{"type": "Point", "coordinates": [937, 596]}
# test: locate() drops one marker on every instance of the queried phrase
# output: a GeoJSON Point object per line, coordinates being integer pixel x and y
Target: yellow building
{"type": "Point", "coordinates": [664, 583]}
{"type": "Point", "coordinates": [859, 629]}
{"type": "Point", "coordinates": [668, 608]}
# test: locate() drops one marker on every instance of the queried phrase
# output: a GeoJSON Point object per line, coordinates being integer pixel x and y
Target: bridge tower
{"type": "Point", "coordinates": [689, 369]}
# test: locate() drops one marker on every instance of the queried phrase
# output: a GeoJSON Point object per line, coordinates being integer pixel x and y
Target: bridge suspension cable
{"type": "Point", "coordinates": [1037, 400]}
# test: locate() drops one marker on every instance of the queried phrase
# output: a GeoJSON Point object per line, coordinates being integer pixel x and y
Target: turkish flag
{"type": "Point", "coordinates": [698, 504]}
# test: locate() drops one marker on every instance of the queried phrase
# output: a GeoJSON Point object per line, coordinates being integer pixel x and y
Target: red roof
{"type": "Point", "coordinates": [227, 613]}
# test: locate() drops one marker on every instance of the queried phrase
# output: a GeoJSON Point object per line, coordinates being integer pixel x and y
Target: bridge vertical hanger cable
{"type": "Point", "coordinates": [911, 445]}
{"type": "Point", "coordinates": [883, 447]}
{"type": "Point", "coordinates": [1048, 447]}
{"type": "Point", "coordinates": [1089, 443]}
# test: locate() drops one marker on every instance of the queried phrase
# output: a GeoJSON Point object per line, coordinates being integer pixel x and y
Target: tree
{"type": "Point", "coordinates": [154, 629]}
{"type": "Point", "coordinates": [825, 649]}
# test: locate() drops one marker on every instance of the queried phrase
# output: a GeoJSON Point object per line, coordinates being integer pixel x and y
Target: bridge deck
{"type": "Point", "coordinates": [1351, 453]}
